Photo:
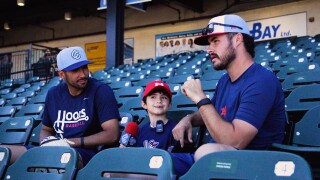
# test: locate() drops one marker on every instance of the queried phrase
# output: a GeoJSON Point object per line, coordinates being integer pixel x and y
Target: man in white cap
{"type": "Point", "coordinates": [247, 109]}
{"type": "Point", "coordinates": [80, 112]}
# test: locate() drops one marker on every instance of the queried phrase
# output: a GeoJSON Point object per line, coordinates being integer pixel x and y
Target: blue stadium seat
{"type": "Point", "coordinates": [124, 94]}
{"type": "Point", "coordinates": [38, 99]}
{"type": "Point", "coordinates": [298, 79]}
{"type": "Point", "coordinates": [100, 75]}
{"type": "Point", "coordinates": [6, 112]}
{"type": "Point", "coordinates": [249, 164]}
{"type": "Point", "coordinates": [33, 110]}
{"type": "Point", "coordinates": [212, 75]}
{"type": "Point", "coordinates": [17, 102]}
{"type": "Point", "coordinates": [34, 137]}
{"type": "Point", "coordinates": [134, 161]}
{"type": "Point", "coordinates": [49, 162]}
{"type": "Point", "coordinates": [304, 141]}
{"type": "Point", "coordinates": [181, 102]}
{"type": "Point", "coordinates": [5, 155]}
{"type": "Point", "coordinates": [144, 82]}
{"type": "Point", "coordinates": [179, 79]}
{"type": "Point", "coordinates": [120, 84]}
{"type": "Point", "coordinates": [301, 100]}
{"type": "Point", "coordinates": [294, 68]}
{"type": "Point", "coordinates": [16, 130]}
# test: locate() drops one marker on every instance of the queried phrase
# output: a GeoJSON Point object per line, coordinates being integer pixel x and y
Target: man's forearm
{"type": "Point", "coordinates": [45, 133]}
{"type": "Point", "coordinates": [92, 141]}
{"type": "Point", "coordinates": [196, 119]}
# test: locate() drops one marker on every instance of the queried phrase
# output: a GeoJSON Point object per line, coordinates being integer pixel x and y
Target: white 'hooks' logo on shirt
{"type": "Point", "coordinates": [75, 54]}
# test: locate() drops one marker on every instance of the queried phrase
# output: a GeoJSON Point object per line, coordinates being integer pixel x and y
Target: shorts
{"type": "Point", "coordinates": [86, 154]}
{"type": "Point", "coordinates": [182, 162]}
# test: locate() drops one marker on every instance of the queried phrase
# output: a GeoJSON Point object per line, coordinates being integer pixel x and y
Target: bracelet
{"type": "Point", "coordinates": [203, 102]}
{"type": "Point", "coordinates": [82, 142]}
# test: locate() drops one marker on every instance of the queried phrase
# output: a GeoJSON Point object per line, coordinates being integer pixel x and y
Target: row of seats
{"type": "Point", "coordinates": [146, 163]}
{"type": "Point", "coordinates": [25, 100]}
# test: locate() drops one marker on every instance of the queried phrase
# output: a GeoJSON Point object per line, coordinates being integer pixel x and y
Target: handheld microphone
{"type": "Point", "coordinates": [128, 136]}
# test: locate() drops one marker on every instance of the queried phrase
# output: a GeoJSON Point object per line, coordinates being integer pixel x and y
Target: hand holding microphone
{"type": "Point", "coordinates": [128, 136]}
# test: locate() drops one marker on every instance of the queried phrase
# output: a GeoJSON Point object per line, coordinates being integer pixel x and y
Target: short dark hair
{"type": "Point", "coordinates": [248, 42]}
{"type": "Point", "coordinates": [156, 91]}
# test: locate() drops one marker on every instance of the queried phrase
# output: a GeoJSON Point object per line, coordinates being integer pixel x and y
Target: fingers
{"type": "Point", "coordinates": [183, 128]}
{"type": "Point", "coordinates": [192, 88]}
{"type": "Point", "coordinates": [183, 91]}
{"type": "Point", "coordinates": [178, 134]}
{"type": "Point", "coordinates": [182, 142]}
{"type": "Point", "coordinates": [190, 135]}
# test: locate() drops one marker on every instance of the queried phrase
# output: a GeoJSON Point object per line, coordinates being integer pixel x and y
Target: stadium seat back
{"type": "Point", "coordinates": [249, 164]}
{"type": "Point", "coordinates": [307, 129]}
{"type": "Point", "coordinates": [16, 130]}
{"type": "Point", "coordinates": [5, 155]}
{"type": "Point", "coordinates": [183, 103]}
{"type": "Point", "coordinates": [148, 161]}
{"type": "Point", "coordinates": [49, 162]}
{"type": "Point", "coordinates": [212, 75]}
{"type": "Point", "coordinates": [301, 100]}
{"type": "Point", "coordinates": [34, 137]}
{"type": "Point", "coordinates": [32, 110]}
{"type": "Point", "coordinates": [6, 112]}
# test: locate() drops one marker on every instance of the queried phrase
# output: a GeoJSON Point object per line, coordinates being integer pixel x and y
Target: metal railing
{"type": "Point", "coordinates": [36, 61]}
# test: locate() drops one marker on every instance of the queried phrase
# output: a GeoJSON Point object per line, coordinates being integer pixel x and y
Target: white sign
{"type": "Point", "coordinates": [279, 27]}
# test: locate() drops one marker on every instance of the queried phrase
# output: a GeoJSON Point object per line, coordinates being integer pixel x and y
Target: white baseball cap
{"type": "Point", "coordinates": [71, 58]}
{"type": "Point", "coordinates": [228, 23]}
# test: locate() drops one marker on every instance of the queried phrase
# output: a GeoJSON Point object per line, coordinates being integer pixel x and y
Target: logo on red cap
{"type": "Point", "coordinates": [157, 84]}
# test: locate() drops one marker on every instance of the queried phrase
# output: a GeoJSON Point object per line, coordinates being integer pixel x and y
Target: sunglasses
{"type": "Point", "coordinates": [210, 28]}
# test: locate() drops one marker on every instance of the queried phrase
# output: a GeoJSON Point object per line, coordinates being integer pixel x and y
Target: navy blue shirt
{"type": "Point", "coordinates": [81, 115]}
{"type": "Point", "coordinates": [148, 137]}
{"type": "Point", "coordinates": [256, 97]}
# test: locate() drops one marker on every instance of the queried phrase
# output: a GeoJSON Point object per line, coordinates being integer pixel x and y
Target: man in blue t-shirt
{"type": "Point", "coordinates": [80, 112]}
{"type": "Point", "coordinates": [247, 110]}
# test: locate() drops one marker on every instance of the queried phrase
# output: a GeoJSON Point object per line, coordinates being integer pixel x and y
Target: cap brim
{"type": "Point", "coordinates": [203, 40]}
{"type": "Point", "coordinates": [76, 65]}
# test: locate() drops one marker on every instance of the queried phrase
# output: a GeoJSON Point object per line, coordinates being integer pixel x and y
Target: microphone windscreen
{"type": "Point", "coordinates": [132, 128]}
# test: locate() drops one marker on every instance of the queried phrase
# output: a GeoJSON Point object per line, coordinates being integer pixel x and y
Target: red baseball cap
{"type": "Point", "coordinates": [157, 84]}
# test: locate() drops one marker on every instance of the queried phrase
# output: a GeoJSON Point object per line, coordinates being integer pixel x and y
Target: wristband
{"type": "Point", "coordinates": [82, 142]}
{"type": "Point", "coordinates": [203, 102]}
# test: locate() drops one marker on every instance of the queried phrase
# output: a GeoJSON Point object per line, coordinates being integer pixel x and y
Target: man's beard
{"type": "Point", "coordinates": [226, 59]}
{"type": "Point", "coordinates": [75, 84]}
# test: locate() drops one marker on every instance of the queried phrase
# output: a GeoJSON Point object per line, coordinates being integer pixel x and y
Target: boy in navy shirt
{"type": "Point", "coordinates": [158, 133]}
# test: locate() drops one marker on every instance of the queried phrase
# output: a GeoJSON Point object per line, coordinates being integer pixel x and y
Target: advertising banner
{"type": "Point", "coordinates": [178, 42]}
{"type": "Point", "coordinates": [279, 27]}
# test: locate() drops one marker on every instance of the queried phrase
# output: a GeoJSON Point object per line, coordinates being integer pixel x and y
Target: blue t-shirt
{"type": "Point", "coordinates": [257, 98]}
{"type": "Point", "coordinates": [148, 137]}
{"type": "Point", "coordinates": [81, 115]}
